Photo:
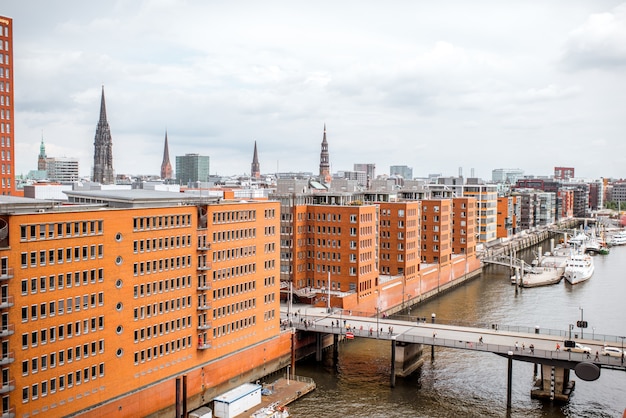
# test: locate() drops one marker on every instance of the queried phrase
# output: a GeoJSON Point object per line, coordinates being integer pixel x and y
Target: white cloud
{"type": "Point", "coordinates": [600, 42]}
{"type": "Point", "coordinates": [392, 81]}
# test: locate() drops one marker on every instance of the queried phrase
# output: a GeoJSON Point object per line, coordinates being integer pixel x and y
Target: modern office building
{"type": "Point", "coordinates": [368, 168]}
{"type": "Point", "coordinates": [108, 301]}
{"type": "Point", "coordinates": [57, 169]}
{"type": "Point", "coordinates": [62, 169]}
{"type": "Point", "coordinates": [506, 175]}
{"type": "Point", "coordinates": [192, 168]}
{"type": "Point", "coordinates": [564, 173]}
{"type": "Point", "coordinates": [7, 107]}
{"type": "Point", "coordinates": [403, 171]}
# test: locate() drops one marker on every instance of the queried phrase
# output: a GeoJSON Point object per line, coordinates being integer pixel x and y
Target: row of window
{"type": "Point", "coordinates": [234, 326]}
{"type": "Point", "coordinates": [154, 288]}
{"type": "Point", "coordinates": [161, 222]}
{"type": "Point", "coordinates": [234, 289]}
{"type": "Point", "coordinates": [389, 212]}
{"type": "Point", "coordinates": [51, 360]}
{"type": "Point", "coordinates": [161, 307]}
{"type": "Point", "coordinates": [43, 257]}
{"type": "Point", "coordinates": [236, 271]}
{"type": "Point", "coordinates": [155, 330]}
{"type": "Point", "coordinates": [233, 308]}
{"type": "Point", "coordinates": [61, 331]}
{"type": "Point", "coordinates": [61, 230]}
{"type": "Point", "coordinates": [269, 315]}
{"type": "Point", "coordinates": [235, 234]}
{"type": "Point", "coordinates": [233, 253]}
{"type": "Point", "coordinates": [322, 268]}
{"type": "Point", "coordinates": [164, 243]}
{"type": "Point", "coordinates": [42, 389]}
{"type": "Point", "coordinates": [161, 350]}
{"type": "Point", "coordinates": [162, 264]}
{"type": "Point", "coordinates": [234, 216]}
{"type": "Point", "coordinates": [53, 307]}
{"type": "Point", "coordinates": [330, 217]}
{"type": "Point", "coordinates": [61, 281]}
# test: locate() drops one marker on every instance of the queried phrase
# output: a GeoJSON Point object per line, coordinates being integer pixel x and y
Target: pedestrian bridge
{"type": "Point", "coordinates": [511, 342]}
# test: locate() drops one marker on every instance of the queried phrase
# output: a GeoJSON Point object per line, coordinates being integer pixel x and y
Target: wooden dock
{"type": "Point", "coordinates": [282, 392]}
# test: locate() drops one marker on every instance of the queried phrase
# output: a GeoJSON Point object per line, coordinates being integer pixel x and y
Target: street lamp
{"type": "Point", "coordinates": [581, 322]}
{"type": "Point", "coordinates": [622, 349]}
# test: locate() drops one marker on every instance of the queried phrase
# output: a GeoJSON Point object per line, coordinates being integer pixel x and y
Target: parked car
{"type": "Point", "coordinates": [611, 351]}
{"type": "Point", "coordinates": [579, 348]}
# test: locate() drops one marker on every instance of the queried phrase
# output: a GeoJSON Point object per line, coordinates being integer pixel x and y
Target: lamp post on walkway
{"type": "Point", "coordinates": [581, 322]}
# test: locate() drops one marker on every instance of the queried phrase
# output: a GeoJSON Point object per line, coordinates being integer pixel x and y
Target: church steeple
{"type": "Point", "coordinates": [103, 149]}
{"type": "Point", "coordinates": [166, 166]}
{"type": "Point", "coordinates": [325, 160]}
{"type": "Point", "coordinates": [255, 170]}
{"type": "Point", "coordinates": [41, 161]}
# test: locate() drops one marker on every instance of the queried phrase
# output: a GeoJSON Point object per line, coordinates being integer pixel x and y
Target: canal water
{"type": "Point", "coordinates": [464, 383]}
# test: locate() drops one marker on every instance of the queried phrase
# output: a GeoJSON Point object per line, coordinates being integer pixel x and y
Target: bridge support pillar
{"type": "Point", "coordinates": [509, 382]}
{"type": "Point", "coordinates": [393, 362]}
{"type": "Point", "coordinates": [406, 358]}
{"type": "Point", "coordinates": [318, 346]}
{"type": "Point", "coordinates": [554, 384]}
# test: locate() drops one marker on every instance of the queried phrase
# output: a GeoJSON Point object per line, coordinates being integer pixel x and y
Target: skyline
{"type": "Point", "coordinates": [502, 85]}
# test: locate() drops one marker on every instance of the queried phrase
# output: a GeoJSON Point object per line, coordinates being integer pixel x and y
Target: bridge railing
{"type": "Point", "coordinates": [565, 334]}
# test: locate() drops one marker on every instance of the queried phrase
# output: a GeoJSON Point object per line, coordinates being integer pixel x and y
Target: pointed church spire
{"type": "Point", "coordinates": [166, 166]}
{"type": "Point", "coordinates": [103, 149]}
{"type": "Point", "coordinates": [103, 109]}
{"type": "Point", "coordinates": [255, 170]}
{"type": "Point", "coordinates": [41, 161]}
{"type": "Point", "coordinates": [325, 160]}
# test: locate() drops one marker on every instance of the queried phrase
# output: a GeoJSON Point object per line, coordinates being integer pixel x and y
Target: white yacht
{"type": "Point", "coordinates": [618, 238]}
{"type": "Point", "coordinates": [578, 268]}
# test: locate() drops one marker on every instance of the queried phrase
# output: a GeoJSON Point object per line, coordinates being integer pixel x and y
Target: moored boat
{"type": "Point", "coordinates": [578, 268]}
{"type": "Point", "coordinates": [618, 239]}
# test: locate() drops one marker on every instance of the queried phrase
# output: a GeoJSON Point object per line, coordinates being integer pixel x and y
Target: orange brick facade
{"type": "Point", "coordinates": [7, 107]}
{"type": "Point", "coordinates": [103, 309]}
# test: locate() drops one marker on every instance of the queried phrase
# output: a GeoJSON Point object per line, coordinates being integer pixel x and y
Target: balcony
{"type": "Point", "coordinates": [6, 302]}
{"type": "Point", "coordinates": [8, 413]}
{"type": "Point", "coordinates": [7, 330]}
{"type": "Point", "coordinates": [203, 306]}
{"type": "Point", "coordinates": [204, 346]}
{"type": "Point", "coordinates": [7, 387]}
{"type": "Point", "coordinates": [6, 274]}
{"type": "Point", "coordinates": [204, 247]}
{"type": "Point", "coordinates": [205, 326]}
{"type": "Point", "coordinates": [204, 286]}
{"type": "Point", "coordinates": [7, 358]}
{"type": "Point", "coordinates": [205, 266]}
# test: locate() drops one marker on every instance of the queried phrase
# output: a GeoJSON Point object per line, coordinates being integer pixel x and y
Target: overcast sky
{"type": "Point", "coordinates": [435, 85]}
